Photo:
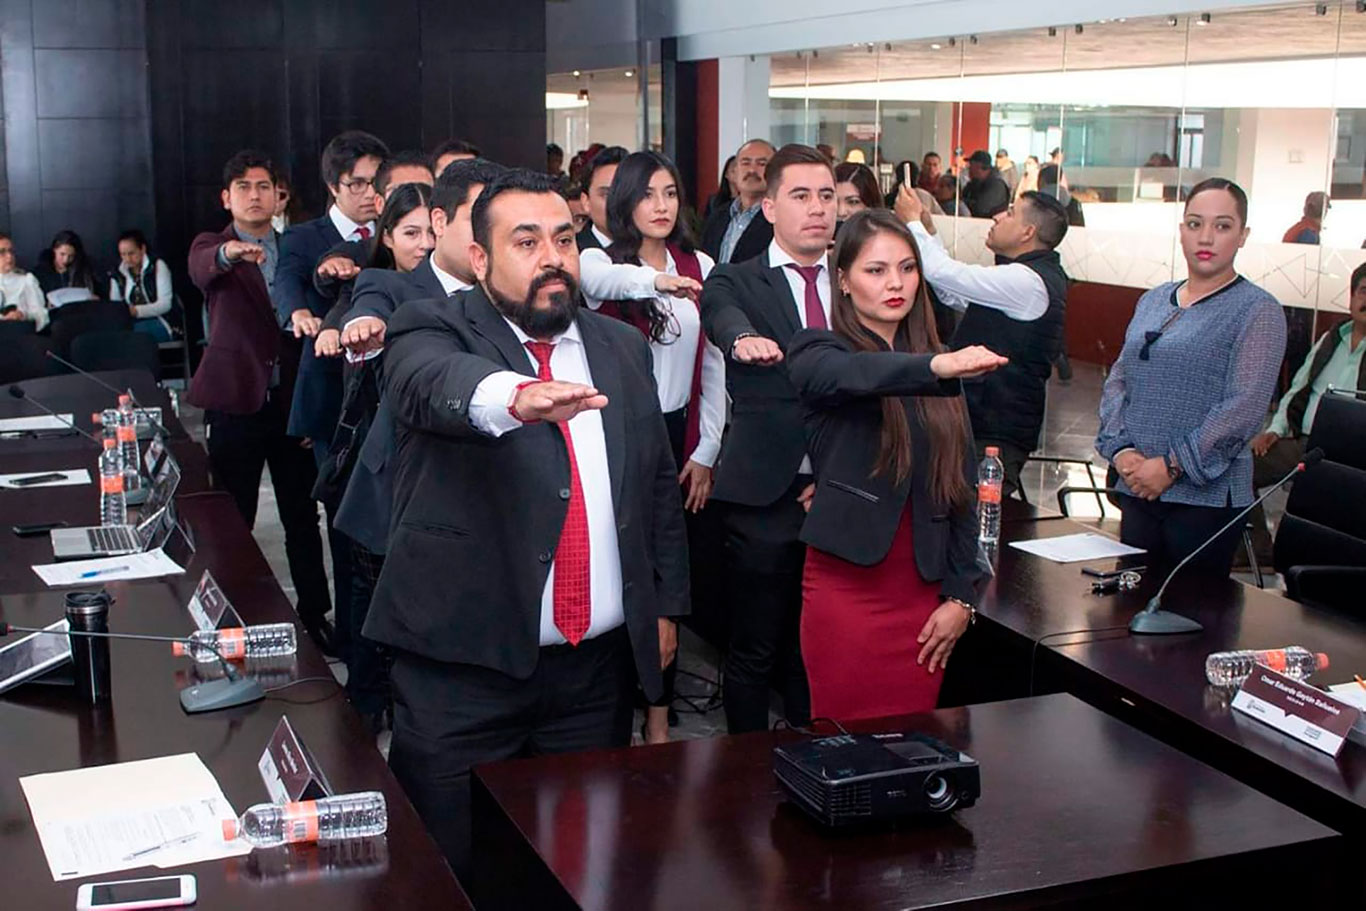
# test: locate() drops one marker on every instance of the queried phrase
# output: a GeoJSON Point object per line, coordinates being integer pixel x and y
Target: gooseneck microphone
{"type": "Point", "coordinates": [147, 414]}
{"type": "Point", "coordinates": [231, 691]}
{"type": "Point", "coordinates": [19, 393]}
{"type": "Point", "coordinates": [1153, 620]}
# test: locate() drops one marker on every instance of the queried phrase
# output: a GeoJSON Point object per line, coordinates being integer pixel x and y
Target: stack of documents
{"type": "Point", "coordinates": [166, 812]}
{"type": "Point", "coordinates": [148, 565]}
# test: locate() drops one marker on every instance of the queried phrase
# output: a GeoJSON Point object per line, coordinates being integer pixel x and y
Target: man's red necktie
{"type": "Point", "coordinates": [815, 313]}
{"type": "Point", "coordinates": [572, 595]}
{"type": "Point", "coordinates": [363, 231]}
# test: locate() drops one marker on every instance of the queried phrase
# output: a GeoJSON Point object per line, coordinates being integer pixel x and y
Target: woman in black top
{"type": "Point", "coordinates": [892, 566]}
{"type": "Point", "coordinates": [64, 265]}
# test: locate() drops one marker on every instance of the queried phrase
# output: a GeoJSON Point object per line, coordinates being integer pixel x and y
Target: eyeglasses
{"type": "Point", "coordinates": [6, 251]}
{"type": "Point", "coordinates": [358, 185]}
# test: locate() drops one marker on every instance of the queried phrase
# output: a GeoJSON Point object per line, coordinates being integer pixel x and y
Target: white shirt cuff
{"type": "Point", "coordinates": [491, 399]}
{"type": "Point", "coordinates": [705, 454]}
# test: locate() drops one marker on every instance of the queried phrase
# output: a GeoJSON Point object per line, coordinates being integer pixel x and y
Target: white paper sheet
{"type": "Point", "coordinates": [37, 422]}
{"type": "Point", "coordinates": [165, 812]}
{"type": "Point", "coordinates": [147, 565]}
{"type": "Point", "coordinates": [1076, 548]}
{"type": "Point", "coordinates": [70, 478]}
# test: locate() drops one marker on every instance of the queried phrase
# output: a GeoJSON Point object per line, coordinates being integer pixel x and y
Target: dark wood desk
{"type": "Point", "coordinates": [42, 728]}
{"type": "Point", "coordinates": [1076, 808]}
{"type": "Point", "coordinates": [1157, 682]}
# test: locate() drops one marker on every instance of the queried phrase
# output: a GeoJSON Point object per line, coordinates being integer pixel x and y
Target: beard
{"type": "Point", "coordinates": [540, 322]}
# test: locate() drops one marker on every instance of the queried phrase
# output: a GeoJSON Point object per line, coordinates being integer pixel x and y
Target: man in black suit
{"type": "Point", "coordinates": [538, 553]}
{"type": "Point", "coordinates": [736, 233]}
{"type": "Point", "coordinates": [349, 164]}
{"type": "Point", "coordinates": [750, 311]}
{"type": "Point", "coordinates": [987, 194]}
{"type": "Point", "coordinates": [596, 181]}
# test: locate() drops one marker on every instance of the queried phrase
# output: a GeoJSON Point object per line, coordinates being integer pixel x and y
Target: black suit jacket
{"type": "Point", "coordinates": [365, 513]}
{"type": "Point", "coordinates": [765, 444]}
{"type": "Point", "coordinates": [477, 518]}
{"type": "Point", "coordinates": [587, 240]}
{"type": "Point", "coordinates": [752, 242]}
{"type": "Point", "coordinates": [855, 513]}
{"type": "Point", "coordinates": [318, 390]}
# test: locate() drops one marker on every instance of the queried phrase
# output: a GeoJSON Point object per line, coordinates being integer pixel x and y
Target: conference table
{"type": "Point", "coordinates": [43, 728]}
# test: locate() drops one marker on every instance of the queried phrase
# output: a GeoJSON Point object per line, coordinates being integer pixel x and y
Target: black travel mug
{"type": "Point", "coordinates": [89, 612]}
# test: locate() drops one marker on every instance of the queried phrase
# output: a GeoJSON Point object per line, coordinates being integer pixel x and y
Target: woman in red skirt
{"type": "Point", "coordinates": [891, 567]}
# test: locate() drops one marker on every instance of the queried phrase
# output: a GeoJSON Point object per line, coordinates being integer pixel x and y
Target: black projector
{"type": "Point", "coordinates": [858, 778]}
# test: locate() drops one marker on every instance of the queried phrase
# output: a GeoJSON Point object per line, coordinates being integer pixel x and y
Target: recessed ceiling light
{"type": "Point", "coordinates": [577, 74]}
{"type": "Point", "coordinates": [936, 46]}
{"type": "Point", "coordinates": [630, 73]}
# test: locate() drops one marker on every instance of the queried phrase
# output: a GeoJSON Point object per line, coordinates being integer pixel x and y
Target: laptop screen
{"type": "Point", "coordinates": [153, 512]}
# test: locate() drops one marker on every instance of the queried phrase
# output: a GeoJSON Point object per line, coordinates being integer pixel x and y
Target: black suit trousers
{"type": "Point", "coordinates": [448, 717]}
{"type": "Point", "coordinates": [240, 446]}
{"type": "Point", "coordinates": [764, 559]}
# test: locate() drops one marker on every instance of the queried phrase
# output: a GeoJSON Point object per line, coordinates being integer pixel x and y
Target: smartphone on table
{"type": "Point", "coordinates": [131, 894]}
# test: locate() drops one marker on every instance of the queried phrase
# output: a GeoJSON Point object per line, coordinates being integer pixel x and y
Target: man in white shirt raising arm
{"type": "Point", "coordinates": [1016, 307]}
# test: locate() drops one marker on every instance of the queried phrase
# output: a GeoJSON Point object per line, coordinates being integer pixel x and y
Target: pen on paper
{"type": "Point", "coordinates": [184, 839]}
{"type": "Point", "coordinates": [1361, 683]}
{"type": "Point", "coordinates": [92, 573]}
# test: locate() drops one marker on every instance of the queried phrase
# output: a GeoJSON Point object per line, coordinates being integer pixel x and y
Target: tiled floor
{"type": "Point", "coordinates": [1069, 431]}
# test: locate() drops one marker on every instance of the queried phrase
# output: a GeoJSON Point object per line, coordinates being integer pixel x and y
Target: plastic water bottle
{"type": "Point", "coordinates": [345, 816]}
{"type": "Point", "coordinates": [113, 505]}
{"type": "Point", "coordinates": [262, 640]}
{"type": "Point", "coordinates": [109, 426]}
{"type": "Point", "coordinates": [1232, 668]}
{"type": "Point", "coordinates": [991, 476]}
{"type": "Point", "coordinates": [128, 443]}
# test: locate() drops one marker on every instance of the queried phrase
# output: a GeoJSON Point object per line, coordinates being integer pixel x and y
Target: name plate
{"type": "Point", "coordinates": [1304, 712]}
{"type": "Point", "coordinates": [289, 770]}
{"type": "Point", "coordinates": [209, 606]}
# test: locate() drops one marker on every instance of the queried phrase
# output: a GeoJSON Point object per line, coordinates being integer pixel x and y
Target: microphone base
{"type": "Point", "coordinates": [220, 694]}
{"type": "Point", "coordinates": [1162, 623]}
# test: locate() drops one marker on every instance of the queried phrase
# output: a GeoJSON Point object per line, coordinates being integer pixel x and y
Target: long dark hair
{"type": "Point", "coordinates": [861, 176]}
{"type": "Point", "coordinates": [405, 198]}
{"type": "Point", "coordinates": [630, 185]}
{"type": "Point", "coordinates": [82, 274]}
{"type": "Point", "coordinates": [943, 417]}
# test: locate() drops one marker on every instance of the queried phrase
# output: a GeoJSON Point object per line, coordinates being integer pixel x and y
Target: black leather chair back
{"type": "Point", "coordinates": [75, 320]}
{"type": "Point", "coordinates": [117, 350]}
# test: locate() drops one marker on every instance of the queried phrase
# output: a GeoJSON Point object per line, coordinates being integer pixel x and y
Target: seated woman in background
{"type": "Point", "coordinates": [892, 565]}
{"type": "Point", "coordinates": [64, 265]}
{"type": "Point", "coordinates": [20, 296]}
{"type": "Point", "coordinates": [1190, 390]}
{"type": "Point", "coordinates": [143, 282]}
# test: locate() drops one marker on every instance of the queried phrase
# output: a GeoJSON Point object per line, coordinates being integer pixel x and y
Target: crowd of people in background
{"type": "Point", "coordinates": [541, 408]}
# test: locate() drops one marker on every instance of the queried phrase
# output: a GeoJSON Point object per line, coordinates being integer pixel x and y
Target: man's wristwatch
{"type": "Point", "coordinates": [738, 339]}
{"type": "Point", "coordinates": [1173, 469]}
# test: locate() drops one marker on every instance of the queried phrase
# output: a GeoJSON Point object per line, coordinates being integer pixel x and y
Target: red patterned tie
{"type": "Point", "coordinates": [363, 231]}
{"type": "Point", "coordinates": [572, 597]}
{"type": "Point", "coordinates": [815, 313]}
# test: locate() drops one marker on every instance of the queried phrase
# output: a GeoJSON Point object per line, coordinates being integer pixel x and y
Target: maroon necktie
{"type": "Point", "coordinates": [572, 595]}
{"type": "Point", "coordinates": [363, 231]}
{"type": "Point", "coordinates": [815, 313]}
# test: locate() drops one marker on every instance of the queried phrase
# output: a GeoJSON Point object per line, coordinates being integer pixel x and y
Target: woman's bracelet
{"type": "Point", "coordinates": [972, 611]}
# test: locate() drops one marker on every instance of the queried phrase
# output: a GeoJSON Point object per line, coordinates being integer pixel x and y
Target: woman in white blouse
{"type": "Point", "coordinates": [144, 284]}
{"type": "Point", "coordinates": [21, 298]}
{"type": "Point", "coordinates": [651, 276]}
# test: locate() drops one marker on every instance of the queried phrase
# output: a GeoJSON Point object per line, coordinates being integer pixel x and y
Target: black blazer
{"type": "Point", "coordinates": [318, 390]}
{"type": "Point", "coordinates": [587, 240]}
{"type": "Point", "coordinates": [365, 513]}
{"type": "Point", "coordinates": [753, 242]}
{"type": "Point", "coordinates": [765, 444]}
{"type": "Point", "coordinates": [854, 514]}
{"type": "Point", "coordinates": [477, 518]}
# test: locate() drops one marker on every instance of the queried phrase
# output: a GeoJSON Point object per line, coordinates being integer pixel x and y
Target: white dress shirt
{"type": "Point", "coordinates": [449, 283]}
{"type": "Point", "coordinates": [602, 238]}
{"type": "Point", "coordinates": [779, 258]}
{"type": "Point", "coordinates": [674, 359]}
{"type": "Point", "coordinates": [23, 291]}
{"type": "Point", "coordinates": [489, 414]}
{"type": "Point", "coordinates": [348, 229]}
{"type": "Point", "coordinates": [1014, 288]}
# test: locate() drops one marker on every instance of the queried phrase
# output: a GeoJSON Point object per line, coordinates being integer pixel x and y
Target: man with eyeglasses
{"type": "Point", "coordinates": [350, 162]}
{"type": "Point", "coordinates": [1016, 307]}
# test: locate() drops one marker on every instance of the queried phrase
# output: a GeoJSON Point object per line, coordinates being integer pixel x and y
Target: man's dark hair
{"type": "Point", "coordinates": [135, 236]}
{"type": "Point", "coordinates": [1358, 275]}
{"type": "Point", "coordinates": [408, 158]}
{"type": "Point", "coordinates": [453, 186]}
{"type": "Point", "coordinates": [1047, 215]}
{"type": "Point", "coordinates": [983, 158]}
{"type": "Point", "coordinates": [511, 180]}
{"type": "Point", "coordinates": [242, 162]}
{"type": "Point", "coordinates": [608, 156]}
{"type": "Point", "coordinates": [1316, 204]}
{"type": "Point", "coordinates": [794, 153]}
{"type": "Point", "coordinates": [455, 147]}
{"type": "Point", "coordinates": [928, 155]}
{"type": "Point", "coordinates": [345, 149]}
{"type": "Point", "coordinates": [552, 148]}
{"type": "Point", "coordinates": [1222, 183]}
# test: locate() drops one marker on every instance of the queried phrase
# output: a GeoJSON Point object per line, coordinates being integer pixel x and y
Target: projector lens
{"type": "Point", "coordinates": [938, 793]}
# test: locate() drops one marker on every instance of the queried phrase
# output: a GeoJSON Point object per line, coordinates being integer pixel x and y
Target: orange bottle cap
{"type": "Point", "coordinates": [1323, 660]}
{"type": "Point", "coordinates": [229, 830]}
{"type": "Point", "coordinates": [125, 398]}
{"type": "Point", "coordinates": [178, 649]}
{"type": "Point", "coordinates": [994, 451]}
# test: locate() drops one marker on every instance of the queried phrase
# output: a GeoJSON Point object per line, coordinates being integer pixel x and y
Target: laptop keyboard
{"type": "Point", "coordinates": [118, 537]}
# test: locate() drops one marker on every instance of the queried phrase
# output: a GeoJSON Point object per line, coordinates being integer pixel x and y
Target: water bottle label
{"type": "Point", "coordinates": [1274, 659]}
{"type": "Point", "coordinates": [233, 643]}
{"type": "Point", "coordinates": [988, 492]}
{"type": "Point", "coordinates": [111, 484]}
{"type": "Point", "coordinates": [127, 433]}
{"type": "Point", "coordinates": [301, 821]}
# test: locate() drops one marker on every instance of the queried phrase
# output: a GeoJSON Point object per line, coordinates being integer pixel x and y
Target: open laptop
{"type": "Point", "coordinates": [33, 655]}
{"type": "Point", "coordinates": [117, 540]}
